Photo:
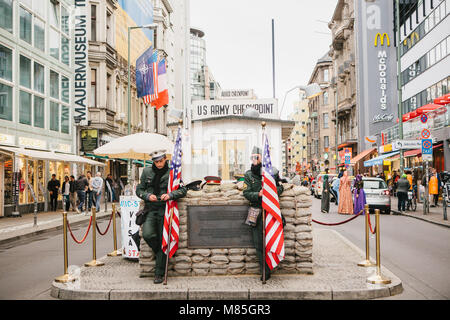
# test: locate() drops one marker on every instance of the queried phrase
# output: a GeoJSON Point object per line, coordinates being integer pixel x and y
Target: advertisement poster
{"type": "Point", "coordinates": [129, 206]}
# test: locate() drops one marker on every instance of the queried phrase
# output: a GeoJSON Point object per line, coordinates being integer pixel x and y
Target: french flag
{"type": "Point", "coordinates": [163, 91]}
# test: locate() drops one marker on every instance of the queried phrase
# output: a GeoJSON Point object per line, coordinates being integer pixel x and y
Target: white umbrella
{"type": "Point", "coordinates": [135, 146]}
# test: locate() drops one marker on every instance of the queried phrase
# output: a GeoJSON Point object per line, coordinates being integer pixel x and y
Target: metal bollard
{"type": "Point", "coordinates": [65, 278]}
{"type": "Point", "coordinates": [116, 252]}
{"type": "Point", "coordinates": [367, 262]}
{"type": "Point", "coordinates": [378, 278]}
{"type": "Point", "coordinates": [94, 262]}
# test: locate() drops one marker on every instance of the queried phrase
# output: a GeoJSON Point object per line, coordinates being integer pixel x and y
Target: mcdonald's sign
{"type": "Point", "coordinates": [413, 39]}
{"type": "Point", "coordinates": [381, 37]}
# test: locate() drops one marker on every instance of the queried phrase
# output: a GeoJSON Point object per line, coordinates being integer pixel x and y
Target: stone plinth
{"type": "Point", "coordinates": [295, 204]}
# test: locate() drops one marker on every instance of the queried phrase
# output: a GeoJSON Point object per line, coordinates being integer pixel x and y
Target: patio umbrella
{"type": "Point", "coordinates": [135, 146]}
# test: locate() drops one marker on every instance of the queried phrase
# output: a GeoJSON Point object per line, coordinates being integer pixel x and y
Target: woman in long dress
{"type": "Point", "coordinates": [345, 195]}
{"type": "Point", "coordinates": [325, 204]}
{"type": "Point", "coordinates": [359, 196]}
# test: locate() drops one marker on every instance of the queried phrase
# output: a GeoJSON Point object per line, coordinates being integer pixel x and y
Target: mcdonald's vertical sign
{"type": "Point", "coordinates": [376, 68]}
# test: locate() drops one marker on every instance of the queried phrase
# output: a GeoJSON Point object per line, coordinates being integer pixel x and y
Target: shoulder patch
{"type": "Point", "coordinates": [244, 187]}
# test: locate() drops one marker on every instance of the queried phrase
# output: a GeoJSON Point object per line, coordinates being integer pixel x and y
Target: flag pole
{"type": "Point", "coordinates": [168, 247]}
{"type": "Point", "coordinates": [263, 124]}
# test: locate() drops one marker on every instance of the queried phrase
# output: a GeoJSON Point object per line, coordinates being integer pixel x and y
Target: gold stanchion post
{"type": "Point", "coordinates": [116, 252]}
{"type": "Point", "coordinates": [367, 262]}
{"type": "Point", "coordinates": [378, 277]}
{"type": "Point", "coordinates": [94, 262]}
{"type": "Point", "coordinates": [64, 278]}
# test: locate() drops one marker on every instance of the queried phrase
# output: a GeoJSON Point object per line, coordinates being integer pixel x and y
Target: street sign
{"type": "Point", "coordinates": [406, 144]}
{"type": "Point", "coordinates": [347, 159]}
{"type": "Point", "coordinates": [427, 157]}
{"type": "Point", "coordinates": [424, 118]}
{"type": "Point", "coordinates": [427, 149]}
{"type": "Point", "coordinates": [425, 134]}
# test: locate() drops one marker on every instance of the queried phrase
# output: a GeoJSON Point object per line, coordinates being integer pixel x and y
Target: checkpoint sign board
{"type": "Point", "coordinates": [427, 149]}
{"type": "Point", "coordinates": [129, 206]}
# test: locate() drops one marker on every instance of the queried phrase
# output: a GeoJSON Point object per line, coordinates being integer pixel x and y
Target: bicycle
{"type": "Point", "coordinates": [412, 200]}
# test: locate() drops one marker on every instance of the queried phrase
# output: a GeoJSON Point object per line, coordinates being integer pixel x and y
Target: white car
{"type": "Point", "coordinates": [377, 194]}
{"type": "Point", "coordinates": [319, 184]}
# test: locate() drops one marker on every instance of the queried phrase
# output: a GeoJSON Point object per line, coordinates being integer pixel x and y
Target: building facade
{"type": "Point", "coordinates": [321, 133]}
{"type": "Point", "coordinates": [343, 80]}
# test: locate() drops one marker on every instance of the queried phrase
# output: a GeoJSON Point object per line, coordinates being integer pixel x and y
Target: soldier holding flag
{"type": "Point", "coordinates": [153, 189]}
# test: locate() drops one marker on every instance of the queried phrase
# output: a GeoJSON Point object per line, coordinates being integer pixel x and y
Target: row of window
{"type": "Point", "coordinates": [426, 96]}
{"type": "Point", "coordinates": [433, 19]}
{"type": "Point", "coordinates": [438, 53]}
{"type": "Point", "coordinates": [32, 25]}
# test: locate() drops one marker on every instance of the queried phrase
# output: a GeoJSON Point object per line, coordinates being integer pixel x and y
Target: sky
{"type": "Point", "coordinates": [238, 35]}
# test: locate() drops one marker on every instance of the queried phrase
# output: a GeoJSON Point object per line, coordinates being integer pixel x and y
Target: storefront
{"type": "Point", "coordinates": [26, 172]}
{"type": "Point", "coordinates": [358, 161]}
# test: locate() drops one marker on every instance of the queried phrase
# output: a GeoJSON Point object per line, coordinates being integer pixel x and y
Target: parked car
{"type": "Point", "coordinates": [313, 185]}
{"type": "Point", "coordinates": [377, 194]}
{"type": "Point", "coordinates": [319, 184]}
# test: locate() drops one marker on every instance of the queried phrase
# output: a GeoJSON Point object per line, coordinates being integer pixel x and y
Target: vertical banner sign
{"type": "Point", "coordinates": [129, 206]}
{"type": "Point", "coordinates": [376, 70]}
{"type": "Point", "coordinates": [81, 61]}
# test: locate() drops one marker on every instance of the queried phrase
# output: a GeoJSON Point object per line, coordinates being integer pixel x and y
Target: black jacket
{"type": "Point", "coordinates": [53, 185]}
{"type": "Point", "coordinates": [81, 184]}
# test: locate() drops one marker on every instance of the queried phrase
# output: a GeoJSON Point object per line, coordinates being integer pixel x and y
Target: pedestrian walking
{"type": "Point", "coordinates": [66, 193]}
{"type": "Point", "coordinates": [81, 186]}
{"type": "Point", "coordinates": [89, 193]}
{"type": "Point", "coordinates": [253, 193]}
{"type": "Point", "coordinates": [359, 196]}
{"type": "Point", "coordinates": [345, 195]}
{"type": "Point", "coordinates": [73, 193]}
{"type": "Point", "coordinates": [110, 191]}
{"type": "Point", "coordinates": [97, 185]}
{"type": "Point", "coordinates": [153, 190]}
{"type": "Point", "coordinates": [402, 192]}
{"type": "Point", "coordinates": [325, 202]}
{"type": "Point", "coordinates": [53, 188]}
{"type": "Point", "coordinates": [434, 186]}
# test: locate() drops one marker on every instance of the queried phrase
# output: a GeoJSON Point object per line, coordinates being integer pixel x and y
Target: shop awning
{"type": "Point", "coordinates": [360, 156]}
{"type": "Point", "coordinates": [379, 160]}
{"type": "Point", "coordinates": [52, 156]}
{"type": "Point", "coordinates": [427, 108]}
{"type": "Point", "coordinates": [445, 99]}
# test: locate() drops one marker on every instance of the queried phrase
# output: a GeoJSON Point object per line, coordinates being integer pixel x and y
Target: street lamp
{"type": "Point", "coordinates": [147, 26]}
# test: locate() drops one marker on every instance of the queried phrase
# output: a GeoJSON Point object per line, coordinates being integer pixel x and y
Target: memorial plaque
{"type": "Point", "coordinates": [218, 227]}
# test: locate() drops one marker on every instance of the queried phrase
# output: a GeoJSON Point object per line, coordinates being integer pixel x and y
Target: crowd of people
{"type": "Point", "coordinates": [83, 193]}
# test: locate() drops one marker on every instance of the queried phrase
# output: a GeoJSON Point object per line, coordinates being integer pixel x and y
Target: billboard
{"type": "Point", "coordinates": [376, 67]}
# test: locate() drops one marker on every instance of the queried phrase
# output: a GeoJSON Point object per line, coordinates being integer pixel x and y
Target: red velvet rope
{"type": "Point", "coordinates": [107, 228]}
{"type": "Point", "coordinates": [338, 223]}
{"type": "Point", "coordinates": [84, 238]}
{"type": "Point", "coordinates": [370, 226]}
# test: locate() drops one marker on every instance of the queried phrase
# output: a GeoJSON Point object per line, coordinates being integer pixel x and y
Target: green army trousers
{"type": "Point", "coordinates": [152, 232]}
{"type": "Point", "coordinates": [258, 243]}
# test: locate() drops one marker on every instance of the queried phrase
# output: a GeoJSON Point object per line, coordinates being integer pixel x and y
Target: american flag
{"type": "Point", "coordinates": [271, 205]}
{"type": "Point", "coordinates": [174, 184]}
{"type": "Point", "coordinates": [153, 77]}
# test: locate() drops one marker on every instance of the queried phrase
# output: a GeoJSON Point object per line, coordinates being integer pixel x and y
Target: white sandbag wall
{"type": "Point", "coordinates": [295, 205]}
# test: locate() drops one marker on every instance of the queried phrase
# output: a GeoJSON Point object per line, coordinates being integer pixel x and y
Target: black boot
{"type": "Point", "coordinates": [158, 279]}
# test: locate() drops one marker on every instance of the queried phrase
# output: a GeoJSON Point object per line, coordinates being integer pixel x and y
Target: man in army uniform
{"type": "Point", "coordinates": [153, 189]}
{"type": "Point", "coordinates": [253, 193]}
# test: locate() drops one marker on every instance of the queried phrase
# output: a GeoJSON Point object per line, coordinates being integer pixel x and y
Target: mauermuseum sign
{"type": "Point", "coordinates": [202, 109]}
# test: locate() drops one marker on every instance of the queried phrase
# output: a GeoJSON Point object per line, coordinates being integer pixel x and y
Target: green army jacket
{"type": "Point", "coordinates": [145, 189]}
{"type": "Point", "coordinates": [252, 186]}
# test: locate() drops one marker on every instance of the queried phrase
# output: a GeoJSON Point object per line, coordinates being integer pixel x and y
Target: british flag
{"type": "Point", "coordinates": [271, 205]}
{"type": "Point", "coordinates": [174, 184]}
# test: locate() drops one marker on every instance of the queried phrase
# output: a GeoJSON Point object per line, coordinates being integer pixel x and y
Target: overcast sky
{"type": "Point", "coordinates": [238, 36]}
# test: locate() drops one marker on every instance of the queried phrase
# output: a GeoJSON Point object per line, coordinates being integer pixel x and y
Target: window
{"type": "Point", "coordinates": [54, 84]}
{"type": "Point", "coordinates": [54, 116]}
{"type": "Point", "coordinates": [325, 75]}
{"type": "Point", "coordinates": [93, 23]}
{"type": "Point", "coordinates": [39, 112]}
{"type": "Point", "coordinates": [65, 113]}
{"type": "Point", "coordinates": [54, 43]}
{"type": "Point", "coordinates": [6, 16]}
{"type": "Point", "coordinates": [65, 50]}
{"type": "Point", "coordinates": [325, 98]}
{"type": "Point", "coordinates": [93, 100]}
{"type": "Point", "coordinates": [39, 34]}
{"type": "Point", "coordinates": [325, 121]}
{"type": "Point", "coordinates": [326, 142]}
{"type": "Point", "coordinates": [5, 102]}
{"type": "Point", "coordinates": [64, 20]}
{"type": "Point", "coordinates": [39, 79]}
{"type": "Point", "coordinates": [25, 108]}
{"type": "Point", "coordinates": [25, 72]}
{"type": "Point", "coordinates": [25, 25]}
{"type": "Point", "coordinates": [54, 13]}
{"type": "Point", "coordinates": [5, 63]}
{"type": "Point", "coordinates": [65, 89]}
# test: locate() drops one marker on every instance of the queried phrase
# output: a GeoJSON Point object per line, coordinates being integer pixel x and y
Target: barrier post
{"type": "Point", "coordinates": [367, 262]}
{"type": "Point", "coordinates": [64, 278]}
{"type": "Point", "coordinates": [94, 262]}
{"type": "Point", "coordinates": [378, 277]}
{"type": "Point", "coordinates": [116, 252]}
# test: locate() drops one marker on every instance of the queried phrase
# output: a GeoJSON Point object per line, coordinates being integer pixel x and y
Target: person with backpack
{"type": "Point", "coordinates": [80, 187]}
